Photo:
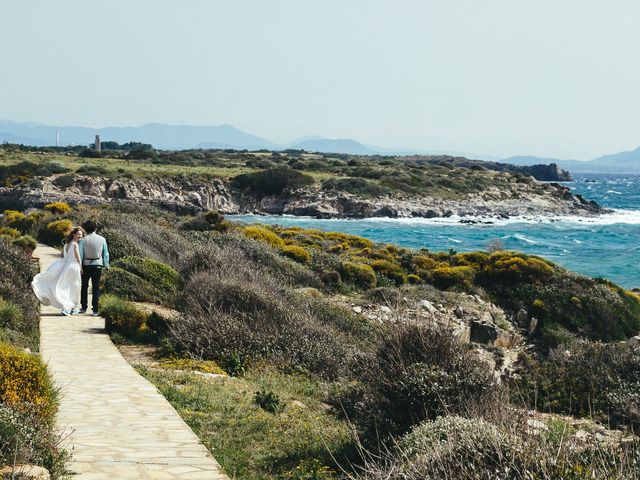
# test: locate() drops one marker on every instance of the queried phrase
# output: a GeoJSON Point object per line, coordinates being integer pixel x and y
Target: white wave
{"type": "Point", "coordinates": [525, 239]}
{"type": "Point", "coordinates": [615, 192]}
{"type": "Point", "coordinates": [454, 240]}
{"type": "Point", "coordinates": [575, 240]}
{"type": "Point", "coordinates": [617, 216]}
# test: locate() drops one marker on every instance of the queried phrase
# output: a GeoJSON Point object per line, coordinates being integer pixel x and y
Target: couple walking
{"type": "Point", "coordinates": [65, 283]}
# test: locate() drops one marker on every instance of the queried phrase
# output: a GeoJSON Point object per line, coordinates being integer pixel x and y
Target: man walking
{"type": "Point", "coordinates": [95, 257]}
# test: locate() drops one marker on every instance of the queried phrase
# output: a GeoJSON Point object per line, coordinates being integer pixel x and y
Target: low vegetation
{"type": "Point", "coordinates": [27, 397]}
{"type": "Point", "coordinates": [263, 173]}
{"type": "Point", "coordinates": [275, 368]}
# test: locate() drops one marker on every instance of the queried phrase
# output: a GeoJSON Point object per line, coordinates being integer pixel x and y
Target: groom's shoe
{"type": "Point", "coordinates": [82, 310]}
{"type": "Point", "coordinates": [95, 314]}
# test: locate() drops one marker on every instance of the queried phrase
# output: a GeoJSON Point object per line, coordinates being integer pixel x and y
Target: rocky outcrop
{"type": "Point", "coordinates": [547, 173]}
{"type": "Point", "coordinates": [191, 194]}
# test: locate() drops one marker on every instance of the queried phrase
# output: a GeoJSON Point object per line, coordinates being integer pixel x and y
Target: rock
{"type": "Point", "coordinates": [428, 306]}
{"type": "Point", "coordinates": [521, 317]}
{"type": "Point", "coordinates": [483, 332]}
{"type": "Point", "coordinates": [459, 311]}
{"type": "Point", "coordinates": [298, 404]}
{"type": "Point", "coordinates": [533, 325]}
{"type": "Point", "coordinates": [31, 472]}
{"type": "Point", "coordinates": [385, 309]}
{"type": "Point", "coordinates": [357, 309]}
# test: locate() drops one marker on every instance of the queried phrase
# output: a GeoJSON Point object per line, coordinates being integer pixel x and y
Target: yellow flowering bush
{"type": "Point", "coordinates": [359, 274]}
{"type": "Point", "coordinates": [55, 231]}
{"type": "Point", "coordinates": [58, 207]}
{"type": "Point", "coordinates": [296, 253]}
{"type": "Point", "coordinates": [263, 234]}
{"type": "Point", "coordinates": [24, 382]}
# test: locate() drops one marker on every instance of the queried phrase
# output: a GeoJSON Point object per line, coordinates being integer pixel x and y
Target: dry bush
{"type": "Point", "coordinates": [236, 306]}
{"type": "Point", "coordinates": [453, 447]}
{"type": "Point", "coordinates": [418, 373]}
{"type": "Point", "coordinates": [222, 252]}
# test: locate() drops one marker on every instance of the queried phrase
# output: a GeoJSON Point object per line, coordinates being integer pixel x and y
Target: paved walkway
{"type": "Point", "coordinates": [119, 426]}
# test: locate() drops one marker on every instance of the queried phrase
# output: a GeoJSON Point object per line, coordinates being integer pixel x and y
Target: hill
{"type": "Point", "coordinates": [622, 162]}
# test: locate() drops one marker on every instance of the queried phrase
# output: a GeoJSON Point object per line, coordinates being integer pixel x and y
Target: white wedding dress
{"type": "Point", "coordinates": [59, 285]}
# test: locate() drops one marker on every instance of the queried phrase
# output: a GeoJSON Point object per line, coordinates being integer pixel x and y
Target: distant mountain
{"type": "Point", "coordinates": [337, 145]}
{"type": "Point", "coordinates": [623, 162]}
{"type": "Point", "coordinates": [12, 138]}
{"type": "Point", "coordinates": [169, 137]}
{"type": "Point", "coordinates": [179, 137]}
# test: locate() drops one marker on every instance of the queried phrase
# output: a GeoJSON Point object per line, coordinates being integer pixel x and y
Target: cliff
{"type": "Point", "coordinates": [191, 194]}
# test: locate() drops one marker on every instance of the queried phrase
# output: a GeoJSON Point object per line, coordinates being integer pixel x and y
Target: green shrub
{"type": "Point", "coordinates": [357, 186]}
{"type": "Point", "coordinates": [92, 170]}
{"type": "Point", "coordinates": [16, 273]}
{"type": "Point", "coordinates": [390, 270]}
{"type": "Point", "coordinates": [123, 317]}
{"type": "Point", "coordinates": [214, 217]}
{"type": "Point", "coordinates": [120, 245]}
{"type": "Point", "coordinates": [158, 274]}
{"type": "Point", "coordinates": [296, 253]}
{"type": "Point", "coordinates": [25, 384]}
{"type": "Point", "coordinates": [64, 181]}
{"type": "Point", "coordinates": [26, 439]}
{"type": "Point", "coordinates": [360, 274]}
{"type": "Point", "coordinates": [272, 181]}
{"type": "Point", "coordinates": [10, 315]}
{"type": "Point", "coordinates": [594, 379]}
{"type": "Point", "coordinates": [26, 243]}
{"type": "Point", "coordinates": [267, 400]}
{"type": "Point", "coordinates": [129, 286]}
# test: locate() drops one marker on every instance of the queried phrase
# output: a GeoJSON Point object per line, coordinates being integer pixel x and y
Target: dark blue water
{"type": "Point", "coordinates": [608, 246]}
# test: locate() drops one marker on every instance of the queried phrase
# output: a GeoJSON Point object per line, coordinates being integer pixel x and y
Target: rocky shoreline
{"type": "Point", "coordinates": [189, 195]}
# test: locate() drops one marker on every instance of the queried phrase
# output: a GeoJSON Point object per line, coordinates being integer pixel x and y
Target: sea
{"type": "Point", "coordinates": [607, 246]}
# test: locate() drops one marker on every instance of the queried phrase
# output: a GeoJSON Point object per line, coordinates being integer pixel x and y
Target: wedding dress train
{"type": "Point", "coordinates": [59, 285]}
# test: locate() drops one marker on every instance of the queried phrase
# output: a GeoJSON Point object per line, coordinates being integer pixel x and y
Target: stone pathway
{"type": "Point", "coordinates": [118, 425]}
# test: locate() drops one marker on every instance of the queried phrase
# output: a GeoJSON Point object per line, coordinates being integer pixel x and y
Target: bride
{"type": "Point", "coordinates": [59, 285]}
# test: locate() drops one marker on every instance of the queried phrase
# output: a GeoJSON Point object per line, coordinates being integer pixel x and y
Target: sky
{"type": "Point", "coordinates": [552, 78]}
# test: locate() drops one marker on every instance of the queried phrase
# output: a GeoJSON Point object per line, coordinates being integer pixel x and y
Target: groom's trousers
{"type": "Point", "coordinates": [93, 273]}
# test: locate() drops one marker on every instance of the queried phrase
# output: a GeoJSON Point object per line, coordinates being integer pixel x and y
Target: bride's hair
{"type": "Point", "coordinates": [72, 233]}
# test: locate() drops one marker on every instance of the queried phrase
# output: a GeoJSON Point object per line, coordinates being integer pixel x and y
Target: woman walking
{"type": "Point", "coordinates": [59, 286]}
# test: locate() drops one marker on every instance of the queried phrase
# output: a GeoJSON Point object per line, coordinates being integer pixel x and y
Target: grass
{"type": "Point", "coordinates": [412, 176]}
{"type": "Point", "coordinates": [298, 441]}
{"type": "Point", "coordinates": [119, 166]}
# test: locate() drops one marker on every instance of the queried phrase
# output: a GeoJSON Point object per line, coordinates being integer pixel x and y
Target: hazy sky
{"type": "Point", "coordinates": [501, 77]}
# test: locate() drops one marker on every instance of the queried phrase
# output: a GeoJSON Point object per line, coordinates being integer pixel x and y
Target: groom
{"type": "Point", "coordinates": [95, 257]}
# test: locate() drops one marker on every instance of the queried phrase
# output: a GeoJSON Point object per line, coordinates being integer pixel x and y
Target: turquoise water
{"type": "Point", "coordinates": [608, 246]}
